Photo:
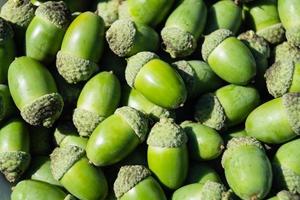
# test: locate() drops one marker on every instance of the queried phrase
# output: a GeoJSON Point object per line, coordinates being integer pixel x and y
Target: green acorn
{"type": "Point", "coordinates": [7, 107]}
{"type": "Point", "coordinates": [285, 195]}
{"type": "Point", "coordinates": [98, 99]}
{"type": "Point", "coordinates": [227, 107]}
{"type": "Point", "coordinates": [34, 92]}
{"type": "Point", "coordinates": [135, 182]}
{"type": "Point", "coordinates": [126, 38]}
{"type": "Point", "coordinates": [81, 48]}
{"type": "Point", "coordinates": [238, 66]}
{"type": "Point", "coordinates": [286, 51]}
{"type": "Point", "coordinates": [264, 19]}
{"type": "Point", "coordinates": [14, 149]}
{"type": "Point", "coordinates": [167, 153]}
{"type": "Point", "coordinates": [201, 173]}
{"type": "Point", "coordinates": [45, 32]}
{"type": "Point", "coordinates": [224, 15]}
{"type": "Point", "coordinates": [247, 168]}
{"type": "Point", "coordinates": [117, 136]}
{"type": "Point", "coordinates": [275, 121]}
{"type": "Point", "coordinates": [154, 78]}
{"type": "Point", "coordinates": [108, 10]}
{"type": "Point", "coordinates": [184, 27]}
{"type": "Point", "coordinates": [188, 192]}
{"type": "Point", "coordinates": [72, 169]}
{"type": "Point", "coordinates": [41, 140]}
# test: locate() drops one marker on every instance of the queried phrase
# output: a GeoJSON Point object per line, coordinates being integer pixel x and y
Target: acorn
{"type": "Point", "coordinates": [41, 140]}
{"type": "Point", "coordinates": [263, 17]}
{"type": "Point", "coordinates": [7, 107]}
{"type": "Point", "coordinates": [286, 51]}
{"type": "Point", "coordinates": [247, 168]}
{"type": "Point", "coordinates": [224, 15]}
{"type": "Point", "coordinates": [145, 12]}
{"type": "Point", "coordinates": [167, 153]}
{"type": "Point", "coordinates": [81, 48]}
{"type": "Point", "coordinates": [34, 92]}
{"type": "Point", "coordinates": [98, 99]}
{"type": "Point", "coordinates": [183, 28]}
{"type": "Point", "coordinates": [72, 169]}
{"type": "Point", "coordinates": [238, 66]}
{"type": "Point", "coordinates": [45, 32]}
{"type": "Point", "coordinates": [275, 121]}
{"type": "Point", "coordinates": [135, 182]}
{"type": "Point", "coordinates": [7, 49]}
{"type": "Point", "coordinates": [108, 10]}
{"type": "Point", "coordinates": [154, 78]}
{"type": "Point", "coordinates": [201, 173]}
{"type": "Point", "coordinates": [228, 106]}
{"type": "Point", "coordinates": [14, 149]}
{"type": "Point", "coordinates": [110, 144]}
{"type": "Point", "coordinates": [204, 143]}
{"type": "Point", "coordinates": [126, 38]}
{"type": "Point", "coordinates": [285, 195]}
{"type": "Point", "coordinates": [286, 167]}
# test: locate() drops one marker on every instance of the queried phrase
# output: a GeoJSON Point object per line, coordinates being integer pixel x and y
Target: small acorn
{"type": "Point", "coordinates": [14, 149]}
{"type": "Point", "coordinates": [135, 182]}
{"type": "Point", "coordinates": [154, 78]}
{"type": "Point", "coordinates": [201, 173]}
{"type": "Point", "coordinates": [275, 121]}
{"type": "Point", "coordinates": [286, 167]}
{"type": "Point", "coordinates": [7, 107]}
{"type": "Point", "coordinates": [285, 195]}
{"type": "Point", "coordinates": [224, 15]}
{"type": "Point", "coordinates": [286, 51]}
{"type": "Point", "coordinates": [188, 192]}
{"type": "Point", "coordinates": [98, 99]}
{"type": "Point", "coordinates": [126, 38]}
{"type": "Point", "coordinates": [41, 140]}
{"type": "Point", "coordinates": [237, 66]}
{"type": "Point", "coordinates": [45, 32]}
{"type": "Point", "coordinates": [117, 136]}
{"type": "Point", "coordinates": [247, 168]}
{"type": "Point", "coordinates": [228, 106]}
{"type": "Point", "coordinates": [72, 169]}
{"type": "Point", "coordinates": [108, 10]}
{"type": "Point", "coordinates": [204, 143]}
{"type": "Point", "coordinates": [263, 17]}
{"type": "Point", "coordinates": [167, 153]}
{"type": "Point", "coordinates": [34, 92]}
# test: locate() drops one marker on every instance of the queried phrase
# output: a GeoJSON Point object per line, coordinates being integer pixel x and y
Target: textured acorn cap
{"type": "Point", "coordinates": [121, 36]}
{"type": "Point", "coordinates": [44, 111]}
{"type": "Point", "coordinates": [123, 10]}
{"type": "Point", "coordinates": [13, 164]}
{"type": "Point", "coordinates": [6, 31]}
{"type": "Point", "coordinates": [128, 177]}
{"type": "Point", "coordinates": [136, 120]}
{"type": "Point", "coordinates": [108, 10]}
{"type": "Point", "coordinates": [273, 34]}
{"type": "Point", "coordinates": [210, 111]}
{"type": "Point", "coordinates": [286, 51]}
{"type": "Point", "coordinates": [19, 12]}
{"type": "Point", "coordinates": [74, 69]}
{"type": "Point", "coordinates": [63, 158]}
{"type": "Point", "coordinates": [237, 142]}
{"type": "Point", "coordinates": [286, 195]}
{"type": "Point", "coordinates": [279, 77]}
{"type": "Point", "coordinates": [291, 102]}
{"type": "Point", "coordinates": [135, 63]}
{"type": "Point", "coordinates": [62, 131]}
{"type": "Point", "coordinates": [177, 42]}
{"type": "Point", "coordinates": [293, 36]}
{"type": "Point", "coordinates": [86, 121]}
{"type": "Point", "coordinates": [167, 134]}
{"type": "Point", "coordinates": [213, 40]}
{"type": "Point", "coordinates": [55, 12]}
{"type": "Point", "coordinates": [215, 191]}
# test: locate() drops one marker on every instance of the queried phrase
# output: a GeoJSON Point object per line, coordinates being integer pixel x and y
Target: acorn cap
{"type": "Point", "coordinates": [44, 111]}
{"type": "Point", "coordinates": [286, 195]}
{"type": "Point", "coordinates": [6, 30]}
{"type": "Point", "coordinates": [123, 10]}
{"type": "Point", "coordinates": [167, 134]}
{"type": "Point", "coordinates": [293, 36]}
{"type": "Point", "coordinates": [63, 158]}
{"type": "Point", "coordinates": [273, 34]}
{"type": "Point", "coordinates": [19, 12]}
{"type": "Point", "coordinates": [63, 130]}
{"type": "Point", "coordinates": [237, 142]}
{"type": "Point", "coordinates": [286, 51]}
{"type": "Point", "coordinates": [135, 63]}
{"type": "Point", "coordinates": [288, 178]}
{"type": "Point", "coordinates": [177, 42]}
{"type": "Point", "coordinates": [86, 121]}
{"type": "Point", "coordinates": [279, 77]}
{"type": "Point", "coordinates": [216, 191]}
{"type": "Point", "coordinates": [56, 12]}
{"type": "Point", "coordinates": [291, 103]}
{"type": "Point", "coordinates": [13, 164]}
{"type": "Point", "coordinates": [74, 69]}
{"type": "Point", "coordinates": [210, 111]}
{"type": "Point", "coordinates": [136, 120]}
{"type": "Point", "coordinates": [108, 10]}
{"type": "Point", "coordinates": [213, 40]}
{"type": "Point", "coordinates": [128, 177]}
{"type": "Point", "coordinates": [121, 36]}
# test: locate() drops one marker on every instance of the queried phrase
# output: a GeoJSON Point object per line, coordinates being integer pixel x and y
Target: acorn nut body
{"type": "Point", "coordinates": [201, 173]}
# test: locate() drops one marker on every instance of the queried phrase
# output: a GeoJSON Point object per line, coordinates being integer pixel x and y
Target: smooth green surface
{"type": "Point", "coordinates": [7, 55]}
{"type": "Point", "coordinates": [289, 13]}
{"type": "Point", "coordinates": [169, 165]}
{"type": "Point", "coordinates": [201, 173]}
{"type": "Point", "coordinates": [75, 140]}
{"type": "Point", "coordinates": [188, 192]}
{"type": "Point", "coordinates": [161, 84]}
{"type": "Point", "coordinates": [295, 87]}
{"type": "Point", "coordinates": [233, 61]}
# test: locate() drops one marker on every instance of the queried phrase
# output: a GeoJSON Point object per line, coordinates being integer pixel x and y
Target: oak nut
{"type": "Point", "coordinates": [201, 173]}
